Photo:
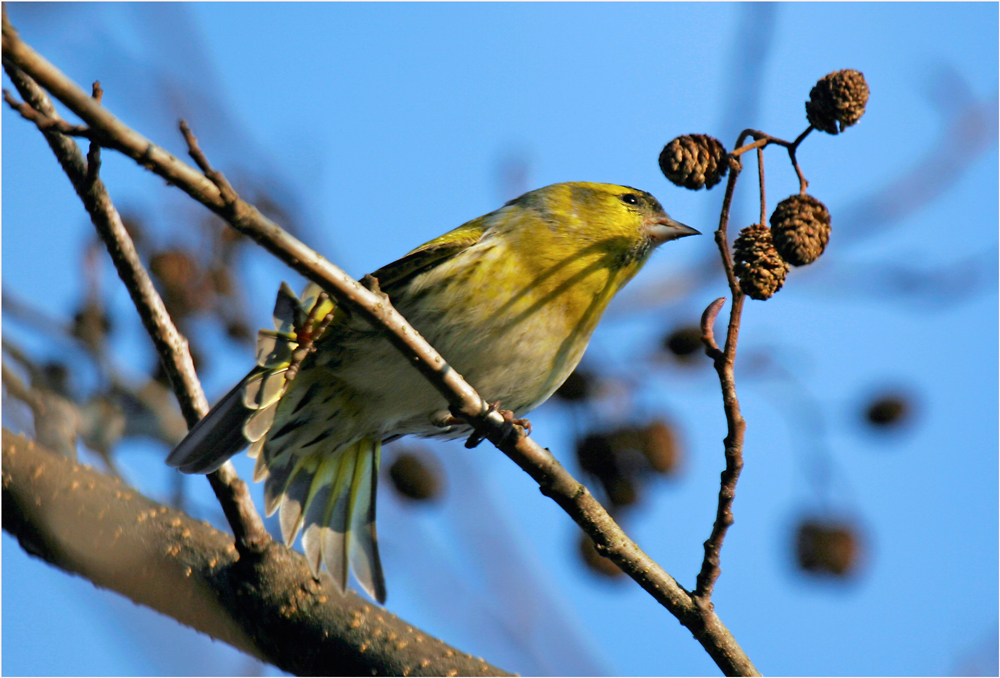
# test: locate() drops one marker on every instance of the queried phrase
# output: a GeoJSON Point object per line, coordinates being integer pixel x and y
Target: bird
{"type": "Point", "coordinates": [509, 299]}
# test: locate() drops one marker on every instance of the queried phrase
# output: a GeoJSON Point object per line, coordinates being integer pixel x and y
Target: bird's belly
{"type": "Point", "coordinates": [518, 366]}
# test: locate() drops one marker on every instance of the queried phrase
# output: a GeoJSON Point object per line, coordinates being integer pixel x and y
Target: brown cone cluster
{"type": "Point", "coordinates": [623, 459]}
{"type": "Point", "coordinates": [759, 267]}
{"type": "Point", "coordinates": [827, 547]}
{"type": "Point", "coordinates": [800, 229]}
{"type": "Point", "coordinates": [889, 410]}
{"type": "Point", "coordinates": [416, 476]}
{"type": "Point", "coordinates": [839, 98]}
{"type": "Point", "coordinates": [684, 343]}
{"type": "Point", "coordinates": [694, 161]}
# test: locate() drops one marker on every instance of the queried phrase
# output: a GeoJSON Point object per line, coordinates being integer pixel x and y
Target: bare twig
{"type": "Point", "coordinates": [94, 152]}
{"type": "Point", "coordinates": [553, 479]}
{"type": "Point", "coordinates": [761, 140]}
{"type": "Point", "coordinates": [44, 122]}
{"type": "Point", "coordinates": [229, 195]}
{"type": "Point", "coordinates": [723, 361]}
{"type": "Point", "coordinates": [760, 181]}
{"type": "Point", "coordinates": [722, 233]}
{"type": "Point", "coordinates": [725, 358]}
{"type": "Point", "coordinates": [803, 184]}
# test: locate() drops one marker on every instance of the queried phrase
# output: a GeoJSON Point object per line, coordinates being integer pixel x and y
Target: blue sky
{"type": "Point", "coordinates": [380, 126]}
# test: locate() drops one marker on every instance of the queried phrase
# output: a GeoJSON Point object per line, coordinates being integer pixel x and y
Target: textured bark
{"type": "Point", "coordinates": [270, 606]}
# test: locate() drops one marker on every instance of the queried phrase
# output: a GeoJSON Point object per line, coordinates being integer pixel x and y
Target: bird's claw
{"type": "Point", "coordinates": [508, 417]}
{"type": "Point", "coordinates": [513, 428]}
{"type": "Point", "coordinates": [447, 421]}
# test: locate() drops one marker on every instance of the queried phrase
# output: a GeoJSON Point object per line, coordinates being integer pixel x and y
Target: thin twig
{"type": "Point", "coordinates": [760, 181]}
{"type": "Point", "coordinates": [803, 184]}
{"type": "Point", "coordinates": [44, 122]}
{"type": "Point", "coordinates": [94, 152]}
{"type": "Point", "coordinates": [736, 426]}
{"type": "Point", "coordinates": [229, 195]}
{"type": "Point", "coordinates": [707, 331]}
{"type": "Point", "coordinates": [761, 140]}
{"type": "Point", "coordinates": [722, 234]}
{"type": "Point", "coordinates": [723, 361]}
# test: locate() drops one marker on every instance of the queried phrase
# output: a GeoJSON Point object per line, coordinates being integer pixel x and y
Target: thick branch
{"type": "Point", "coordinates": [271, 607]}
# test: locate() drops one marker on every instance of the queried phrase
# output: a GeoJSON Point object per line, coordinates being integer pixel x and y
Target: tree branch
{"type": "Point", "coordinates": [270, 607]}
{"type": "Point", "coordinates": [232, 492]}
{"type": "Point", "coordinates": [45, 122]}
{"type": "Point", "coordinates": [723, 360]}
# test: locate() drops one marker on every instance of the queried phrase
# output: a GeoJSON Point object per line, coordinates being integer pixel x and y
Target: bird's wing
{"type": "Point", "coordinates": [395, 275]}
{"type": "Point", "coordinates": [222, 433]}
{"type": "Point", "coordinates": [245, 414]}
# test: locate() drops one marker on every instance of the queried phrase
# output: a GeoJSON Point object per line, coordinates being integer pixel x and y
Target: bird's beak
{"type": "Point", "coordinates": [664, 228]}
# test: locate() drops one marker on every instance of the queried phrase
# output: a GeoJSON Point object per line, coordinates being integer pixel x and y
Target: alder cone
{"type": "Point", "coordinates": [760, 269]}
{"type": "Point", "coordinates": [800, 229]}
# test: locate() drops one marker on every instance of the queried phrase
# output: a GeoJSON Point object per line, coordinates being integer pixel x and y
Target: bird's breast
{"type": "Point", "coordinates": [513, 329]}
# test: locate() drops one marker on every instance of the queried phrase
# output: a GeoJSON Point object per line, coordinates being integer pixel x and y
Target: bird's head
{"type": "Point", "coordinates": [608, 216]}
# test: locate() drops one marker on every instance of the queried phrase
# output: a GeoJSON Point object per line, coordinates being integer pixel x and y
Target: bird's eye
{"type": "Point", "coordinates": [629, 198]}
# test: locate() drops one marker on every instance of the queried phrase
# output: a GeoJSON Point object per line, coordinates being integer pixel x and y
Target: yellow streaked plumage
{"type": "Point", "coordinates": [509, 299]}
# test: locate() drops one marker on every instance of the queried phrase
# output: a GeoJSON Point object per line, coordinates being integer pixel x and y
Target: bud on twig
{"type": "Point", "coordinates": [694, 161]}
{"type": "Point", "coordinates": [759, 267]}
{"type": "Point", "coordinates": [838, 97]}
{"type": "Point", "coordinates": [800, 228]}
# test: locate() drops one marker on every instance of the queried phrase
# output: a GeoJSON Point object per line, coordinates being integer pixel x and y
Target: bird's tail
{"type": "Point", "coordinates": [330, 493]}
{"type": "Point", "coordinates": [331, 499]}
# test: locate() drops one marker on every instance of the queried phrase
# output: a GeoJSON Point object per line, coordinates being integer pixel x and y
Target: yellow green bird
{"type": "Point", "coordinates": [510, 300]}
